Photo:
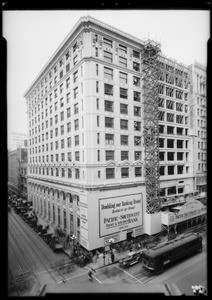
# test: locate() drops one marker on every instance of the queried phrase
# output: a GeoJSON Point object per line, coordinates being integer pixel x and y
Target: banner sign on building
{"type": "Point", "coordinates": [191, 209]}
{"type": "Point", "coordinates": [119, 213]}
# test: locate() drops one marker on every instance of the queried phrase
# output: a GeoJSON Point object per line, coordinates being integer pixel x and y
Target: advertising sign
{"type": "Point", "coordinates": [191, 209]}
{"type": "Point", "coordinates": [119, 213]}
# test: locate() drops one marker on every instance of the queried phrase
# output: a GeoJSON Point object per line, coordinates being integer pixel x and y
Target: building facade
{"type": "Point", "coordinates": [198, 120]}
{"type": "Point", "coordinates": [17, 172]}
{"type": "Point", "coordinates": [19, 140]}
{"type": "Point", "coordinates": [86, 147]}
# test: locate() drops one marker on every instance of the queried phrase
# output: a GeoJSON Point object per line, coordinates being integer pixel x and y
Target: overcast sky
{"type": "Point", "coordinates": [33, 36]}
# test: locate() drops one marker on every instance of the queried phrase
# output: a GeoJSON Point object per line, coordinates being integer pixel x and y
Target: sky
{"type": "Point", "coordinates": [33, 36]}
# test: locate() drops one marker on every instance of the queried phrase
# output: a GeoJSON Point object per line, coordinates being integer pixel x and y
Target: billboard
{"type": "Point", "coordinates": [120, 213]}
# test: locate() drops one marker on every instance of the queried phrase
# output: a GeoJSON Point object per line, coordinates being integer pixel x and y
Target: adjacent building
{"type": "Point", "coordinates": [17, 172]}
{"type": "Point", "coordinates": [88, 137]}
{"type": "Point", "coordinates": [198, 122]}
{"type": "Point", "coordinates": [19, 140]}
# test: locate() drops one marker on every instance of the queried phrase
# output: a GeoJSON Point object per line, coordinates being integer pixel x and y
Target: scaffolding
{"type": "Point", "coordinates": [151, 74]}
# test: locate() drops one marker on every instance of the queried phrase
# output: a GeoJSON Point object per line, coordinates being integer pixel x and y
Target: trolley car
{"type": "Point", "coordinates": [159, 257]}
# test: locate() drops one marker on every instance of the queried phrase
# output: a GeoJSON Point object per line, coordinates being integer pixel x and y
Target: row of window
{"type": "Point", "coordinates": [173, 80]}
{"type": "Point", "coordinates": [172, 118]}
{"type": "Point", "coordinates": [69, 173]}
{"type": "Point", "coordinates": [173, 105]}
{"type": "Point", "coordinates": [171, 143]}
{"type": "Point", "coordinates": [58, 67]}
{"type": "Point", "coordinates": [172, 92]}
{"type": "Point", "coordinates": [173, 170]}
{"type": "Point", "coordinates": [171, 156]}
{"type": "Point", "coordinates": [166, 129]}
{"type": "Point", "coordinates": [201, 123]}
{"type": "Point", "coordinates": [62, 157]}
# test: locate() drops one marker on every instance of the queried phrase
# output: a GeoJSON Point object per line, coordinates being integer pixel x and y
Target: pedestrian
{"type": "Point", "coordinates": [104, 257]}
{"type": "Point", "coordinates": [97, 254]}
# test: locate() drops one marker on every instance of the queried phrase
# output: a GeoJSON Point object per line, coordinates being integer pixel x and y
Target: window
{"type": "Point", "coordinates": [108, 73]}
{"type": "Point", "coordinates": [76, 138]}
{"type": "Point", "coordinates": [137, 96]}
{"type": "Point", "coordinates": [179, 155]}
{"type": "Point", "coordinates": [179, 119]}
{"type": "Point", "coordinates": [170, 117]}
{"type": "Point", "coordinates": [97, 121]}
{"type": "Point", "coordinates": [77, 173]}
{"type": "Point", "coordinates": [123, 93]}
{"type": "Point", "coordinates": [76, 124]}
{"type": "Point", "coordinates": [123, 108]}
{"type": "Point", "coordinates": [61, 74]}
{"type": "Point", "coordinates": [136, 81]}
{"type": "Point", "coordinates": [137, 141]}
{"type": "Point", "coordinates": [62, 129]}
{"type": "Point", "coordinates": [137, 126]}
{"type": "Point", "coordinates": [67, 67]}
{"type": "Point", "coordinates": [161, 143]}
{"type": "Point", "coordinates": [124, 140]}
{"type": "Point", "coordinates": [62, 116]}
{"type": "Point", "coordinates": [109, 155]}
{"type": "Point", "coordinates": [124, 124]}
{"type": "Point", "coordinates": [77, 156]}
{"type": "Point", "coordinates": [108, 89]}
{"type": "Point", "coordinates": [69, 156]}
{"type": "Point", "coordinates": [75, 76]}
{"type": "Point", "coordinates": [97, 103]}
{"type": "Point", "coordinates": [162, 170]}
{"type": "Point", "coordinates": [108, 106]}
{"type": "Point", "coordinates": [170, 143]}
{"type": "Point", "coordinates": [69, 142]}
{"type": "Point", "coordinates": [170, 130]}
{"type": "Point", "coordinates": [171, 190]}
{"type": "Point", "coordinates": [75, 60]}
{"type": "Point", "coordinates": [75, 92]}
{"type": "Point", "coordinates": [170, 155]}
{"type": "Point", "coordinates": [67, 97]}
{"type": "Point", "coordinates": [68, 83]}
{"type": "Point", "coordinates": [96, 52]}
{"type": "Point", "coordinates": [137, 155]}
{"type": "Point", "coordinates": [122, 62]}
{"type": "Point", "coordinates": [161, 156]}
{"type": "Point", "coordinates": [109, 139]}
{"type": "Point", "coordinates": [97, 86]}
{"type": "Point", "coordinates": [62, 144]}
{"type": "Point", "coordinates": [137, 111]}
{"type": "Point", "coordinates": [61, 102]}
{"type": "Point", "coordinates": [136, 54]}
{"type": "Point", "coordinates": [62, 156]}
{"type": "Point", "coordinates": [56, 132]}
{"type": "Point", "coordinates": [107, 43]}
{"type": "Point", "coordinates": [124, 155]}
{"type": "Point", "coordinates": [68, 111]}
{"type": "Point", "coordinates": [69, 127]}
{"type": "Point", "coordinates": [179, 169]}
{"type": "Point", "coordinates": [109, 122]}
{"type": "Point", "coordinates": [179, 143]}
{"type": "Point", "coordinates": [138, 172]}
{"type": "Point", "coordinates": [169, 104]}
{"type": "Point", "coordinates": [122, 78]}
{"type": "Point", "coordinates": [136, 66]}
{"type": "Point", "coordinates": [122, 49]}
{"type": "Point", "coordinates": [124, 172]}
{"type": "Point", "coordinates": [170, 170]}
{"type": "Point", "coordinates": [76, 108]}
{"type": "Point", "coordinates": [110, 173]}
{"type": "Point", "coordinates": [108, 56]}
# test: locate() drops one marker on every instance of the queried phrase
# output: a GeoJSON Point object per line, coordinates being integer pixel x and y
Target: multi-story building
{"type": "Point", "coordinates": [198, 120]}
{"type": "Point", "coordinates": [18, 140]}
{"type": "Point", "coordinates": [17, 172]}
{"type": "Point", "coordinates": [86, 147]}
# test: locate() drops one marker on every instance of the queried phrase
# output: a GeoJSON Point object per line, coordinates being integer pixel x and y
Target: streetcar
{"type": "Point", "coordinates": [161, 256]}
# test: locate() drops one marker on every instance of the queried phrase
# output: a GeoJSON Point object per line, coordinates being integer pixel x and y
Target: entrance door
{"type": "Point", "coordinates": [129, 235]}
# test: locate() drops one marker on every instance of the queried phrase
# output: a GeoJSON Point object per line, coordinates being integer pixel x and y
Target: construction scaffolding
{"type": "Point", "coordinates": [151, 74]}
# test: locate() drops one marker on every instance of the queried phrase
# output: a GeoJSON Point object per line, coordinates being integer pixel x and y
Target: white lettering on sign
{"type": "Point", "coordinates": [118, 213]}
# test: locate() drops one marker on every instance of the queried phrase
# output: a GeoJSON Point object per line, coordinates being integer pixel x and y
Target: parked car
{"type": "Point", "coordinates": [131, 259]}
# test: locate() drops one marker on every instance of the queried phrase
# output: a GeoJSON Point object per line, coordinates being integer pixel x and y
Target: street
{"type": "Point", "coordinates": [32, 264]}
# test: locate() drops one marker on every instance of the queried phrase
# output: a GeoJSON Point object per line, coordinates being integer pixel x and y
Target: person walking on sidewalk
{"type": "Point", "coordinates": [90, 274]}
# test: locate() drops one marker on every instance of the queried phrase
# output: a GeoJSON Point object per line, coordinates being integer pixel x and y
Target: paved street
{"type": "Point", "coordinates": [30, 258]}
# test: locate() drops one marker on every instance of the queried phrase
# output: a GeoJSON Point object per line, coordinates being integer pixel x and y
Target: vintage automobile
{"type": "Point", "coordinates": [131, 259]}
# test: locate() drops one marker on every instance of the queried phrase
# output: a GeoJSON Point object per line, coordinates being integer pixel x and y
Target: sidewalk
{"type": "Point", "coordinates": [100, 262]}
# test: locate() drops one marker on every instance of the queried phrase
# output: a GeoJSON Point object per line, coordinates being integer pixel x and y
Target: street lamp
{"type": "Point", "coordinates": [111, 241]}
